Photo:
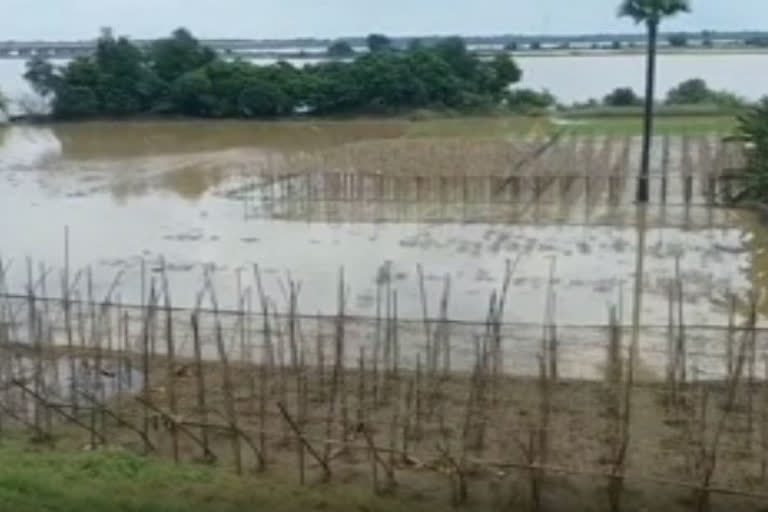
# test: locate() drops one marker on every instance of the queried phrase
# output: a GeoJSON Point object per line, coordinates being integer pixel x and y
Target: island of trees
{"type": "Point", "coordinates": [180, 76]}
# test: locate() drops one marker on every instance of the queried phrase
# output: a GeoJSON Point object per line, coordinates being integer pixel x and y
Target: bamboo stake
{"type": "Point", "coordinates": [425, 320]}
{"type": "Point", "coordinates": [200, 380]}
{"type": "Point", "coordinates": [341, 350]}
{"type": "Point", "coordinates": [229, 395]}
{"type": "Point", "coordinates": [297, 430]}
{"type": "Point", "coordinates": [170, 365]}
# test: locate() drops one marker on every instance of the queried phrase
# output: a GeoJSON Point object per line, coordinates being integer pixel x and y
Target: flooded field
{"type": "Point", "coordinates": [134, 194]}
{"type": "Point", "coordinates": [349, 301]}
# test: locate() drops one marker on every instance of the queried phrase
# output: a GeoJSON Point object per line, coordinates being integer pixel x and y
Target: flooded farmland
{"type": "Point", "coordinates": [239, 274]}
{"type": "Point", "coordinates": [135, 194]}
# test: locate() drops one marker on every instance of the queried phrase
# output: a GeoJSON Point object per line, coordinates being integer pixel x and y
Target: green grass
{"type": "Point", "coordinates": [516, 125]}
{"type": "Point", "coordinates": [669, 125]}
{"type": "Point", "coordinates": [34, 479]}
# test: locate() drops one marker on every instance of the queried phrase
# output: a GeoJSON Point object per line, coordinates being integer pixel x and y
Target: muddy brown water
{"type": "Point", "coordinates": [134, 191]}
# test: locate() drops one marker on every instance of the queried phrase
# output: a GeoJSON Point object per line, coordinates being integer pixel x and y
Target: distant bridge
{"type": "Point", "coordinates": [314, 48]}
{"type": "Point", "coordinates": [72, 49]}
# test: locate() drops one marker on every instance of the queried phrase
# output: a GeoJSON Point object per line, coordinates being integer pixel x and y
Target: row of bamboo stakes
{"type": "Point", "coordinates": [127, 378]}
{"type": "Point", "coordinates": [570, 173]}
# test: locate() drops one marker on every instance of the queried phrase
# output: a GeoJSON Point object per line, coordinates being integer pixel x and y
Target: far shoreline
{"type": "Point", "coordinates": [313, 57]}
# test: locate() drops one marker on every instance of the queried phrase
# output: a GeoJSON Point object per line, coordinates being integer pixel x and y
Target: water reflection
{"type": "Point", "coordinates": [130, 139]}
{"type": "Point", "coordinates": [187, 158]}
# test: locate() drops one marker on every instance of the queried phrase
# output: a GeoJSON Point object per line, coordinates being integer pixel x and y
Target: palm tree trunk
{"type": "Point", "coordinates": [650, 86]}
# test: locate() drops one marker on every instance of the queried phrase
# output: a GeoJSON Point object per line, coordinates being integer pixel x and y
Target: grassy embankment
{"type": "Point", "coordinates": [588, 121]}
{"type": "Point", "coordinates": [34, 478]}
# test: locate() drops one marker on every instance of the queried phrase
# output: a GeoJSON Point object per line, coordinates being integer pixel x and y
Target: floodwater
{"type": "Point", "coordinates": [141, 192]}
{"type": "Point", "coordinates": [571, 78]}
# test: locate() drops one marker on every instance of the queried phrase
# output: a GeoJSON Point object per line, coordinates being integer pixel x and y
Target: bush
{"type": "Point", "coordinates": [696, 92]}
{"type": "Point", "coordinates": [622, 97]}
{"type": "Point", "coordinates": [526, 99]}
{"type": "Point", "coordinates": [340, 49]}
{"type": "Point", "coordinates": [690, 92]}
{"type": "Point", "coordinates": [753, 126]}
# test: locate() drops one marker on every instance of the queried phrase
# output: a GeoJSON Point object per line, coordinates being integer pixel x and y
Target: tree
{"type": "Point", "coordinates": [379, 43]}
{"type": "Point", "coordinates": [535, 45]}
{"type": "Point", "coordinates": [340, 50]}
{"type": "Point", "coordinates": [415, 44]}
{"type": "Point", "coordinates": [3, 103]}
{"type": "Point", "coordinates": [40, 74]}
{"type": "Point", "coordinates": [179, 54]}
{"type": "Point", "coordinates": [75, 102]}
{"type": "Point", "coordinates": [616, 45]}
{"type": "Point", "coordinates": [178, 75]}
{"type": "Point", "coordinates": [192, 93]}
{"type": "Point", "coordinates": [678, 40]}
{"type": "Point", "coordinates": [622, 97]}
{"type": "Point", "coordinates": [506, 71]}
{"type": "Point", "coordinates": [651, 13]}
{"type": "Point", "coordinates": [690, 92]}
{"type": "Point", "coordinates": [262, 99]}
{"type": "Point", "coordinates": [697, 92]}
{"type": "Point", "coordinates": [453, 50]}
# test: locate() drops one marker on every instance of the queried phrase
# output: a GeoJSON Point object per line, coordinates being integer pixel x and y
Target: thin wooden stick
{"type": "Point", "coordinates": [297, 430]}
{"type": "Point", "coordinates": [200, 380]}
{"type": "Point", "coordinates": [229, 396]}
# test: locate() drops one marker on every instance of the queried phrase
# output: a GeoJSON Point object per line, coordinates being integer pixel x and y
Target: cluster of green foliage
{"type": "Point", "coordinates": [340, 50]}
{"type": "Point", "coordinates": [696, 92]}
{"type": "Point", "coordinates": [179, 76]}
{"type": "Point", "coordinates": [622, 97]}
{"type": "Point", "coordinates": [753, 128]}
{"type": "Point", "coordinates": [3, 103]}
{"type": "Point", "coordinates": [529, 100]}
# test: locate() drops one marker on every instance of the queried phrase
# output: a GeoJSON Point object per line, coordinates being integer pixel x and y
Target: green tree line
{"type": "Point", "coordinates": [689, 92]}
{"type": "Point", "coordinates": [180, 76]}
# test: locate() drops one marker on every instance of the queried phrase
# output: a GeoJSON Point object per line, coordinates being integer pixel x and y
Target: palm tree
{"type": "Point", "coordinates": [650, 12]}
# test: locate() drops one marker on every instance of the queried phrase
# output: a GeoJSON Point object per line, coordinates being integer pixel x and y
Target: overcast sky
{"type": "Point", "coordinates": [77, 19]}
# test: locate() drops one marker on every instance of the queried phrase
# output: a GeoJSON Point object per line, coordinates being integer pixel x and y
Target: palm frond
{"type": "Point", "coordinates": [672, 7]}
{"type": "Point", "coordinates": [633, 9]}
{"type": "Point", "coordinates": [652, 10]}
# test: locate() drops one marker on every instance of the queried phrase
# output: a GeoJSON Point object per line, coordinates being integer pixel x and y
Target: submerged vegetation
{"type": "Point", "coordinates": [180, 76]}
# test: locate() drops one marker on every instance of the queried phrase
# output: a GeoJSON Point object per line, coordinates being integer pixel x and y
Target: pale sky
{"type": "Point", "coordinates": [81, 19]}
